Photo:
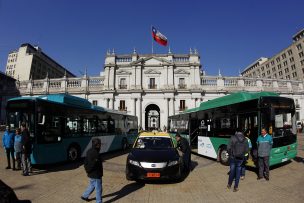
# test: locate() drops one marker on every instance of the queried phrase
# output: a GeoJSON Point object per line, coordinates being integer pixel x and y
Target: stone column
{"type": "Point", "coordinates": [139, 111]}
{"type": "Point", "coordinates": [172, 108]}
{"type": "Point", "coordinates": [134, 107]}
{"type": "Point", "coordinates": [111, 105]}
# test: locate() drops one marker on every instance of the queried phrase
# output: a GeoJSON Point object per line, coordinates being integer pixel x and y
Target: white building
{"type": "Point", "coordinates": [155, 86]}
{"type": "Point", "coordinates": [151, 86]}
{"type": "Point", "coordinates": [30, 62]}
{"type": "Point", "coordinates": [287, 64]}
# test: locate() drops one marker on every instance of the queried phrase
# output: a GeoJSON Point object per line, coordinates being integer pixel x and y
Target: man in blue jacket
{"type": "Point", "coordinates": [264, 143]}
{"type": "Point", "coordinates": [8, 145]}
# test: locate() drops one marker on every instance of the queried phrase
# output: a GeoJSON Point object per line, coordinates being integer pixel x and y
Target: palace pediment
{"type": "Point", "coordinates": [152, 61]}
{"type": "Point", "coordinates": [123, 72]}
{"type": "Point", "coordinates": [181, 71]}
{"type": "Point", "coordinates": [151, 71]}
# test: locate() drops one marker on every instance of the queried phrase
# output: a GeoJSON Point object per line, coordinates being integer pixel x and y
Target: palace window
{"type": "Point", "coordinates": [122, 105]}
{"type": "Point", "coordinates": [122, 83]}
{"type": "Point", "coordinates": [152, 84]}
{"type": "Point", "coordinates": [95, 102]}
{"type": "Point", "coordinates": [182, 105]}
{"type": "Point", "coordinates": [181, 84]}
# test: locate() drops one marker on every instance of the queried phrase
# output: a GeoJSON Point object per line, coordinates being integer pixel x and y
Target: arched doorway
{"type": "Point", "coordinates": [152, 117]}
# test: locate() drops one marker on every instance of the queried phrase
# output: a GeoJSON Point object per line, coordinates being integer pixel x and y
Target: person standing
{"type": "Point", "coordinates": [94, 169]}
{"type": "Point", "coordinates": [26, 150]}
{"type": "Point", "coordinates": [243, 166]}
{"type": "Point", "coordinates": [264, 143]}
{"type": "Point", "coordinates": [18, 148]}
{"type": "Point", "coordinates": [237, 148]}
{"type": "Point", "coordinates": [184, 147]}
{"type": "Point", "coordinates": [8, 145]}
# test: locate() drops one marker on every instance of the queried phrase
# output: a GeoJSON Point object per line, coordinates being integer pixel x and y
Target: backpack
{"type": "Point", "coordinates": [240, 148]}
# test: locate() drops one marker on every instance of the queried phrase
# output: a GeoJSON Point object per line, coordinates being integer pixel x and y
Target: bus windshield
{"type": "Point", "coordinates": [279, 120]}
{"type": "Point", "coordinates": [18, 113]}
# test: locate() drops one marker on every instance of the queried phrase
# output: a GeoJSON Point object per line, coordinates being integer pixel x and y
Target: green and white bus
{"type": "Point", "coordinates": [210, 126]}
{"type": "Point", "coordinates": [62, 126]}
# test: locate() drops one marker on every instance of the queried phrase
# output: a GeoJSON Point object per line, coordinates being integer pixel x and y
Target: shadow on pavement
{"type": "Point", "coordinates": [63, 166]}
{"type": "Point", "coordinates": [23, 187]}
{"type": "Point", "coordinates": [299, 159]}
{"type": "Point", "coordinates": [126, 190]}
{"type": "Point", "coordinates": [7, 194]}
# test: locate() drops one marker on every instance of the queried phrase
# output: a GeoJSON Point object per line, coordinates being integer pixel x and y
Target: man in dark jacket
{"type": "Point", "coordinates": [237, 148]}
{"type": "Point", "coordinates": [94, 170]}
{"type": "Point", "coordinates": [184, 147]}
{"type": "Point", "coordinates": [26, 150]}
{"type": "Point", "coordinates": [8, 145]}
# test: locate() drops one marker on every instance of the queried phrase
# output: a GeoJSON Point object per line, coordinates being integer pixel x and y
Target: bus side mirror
{"type": "Point", "coordinates": [41, 119]}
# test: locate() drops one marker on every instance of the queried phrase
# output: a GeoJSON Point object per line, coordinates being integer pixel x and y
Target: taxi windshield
{"type": "Point", "coordinates": [153, 143]}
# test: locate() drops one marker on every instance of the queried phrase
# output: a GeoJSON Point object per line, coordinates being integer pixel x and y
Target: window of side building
{"type": "Point", "coordinates": [289, 52]}
{"type": "Point", "coordinates": [299, 46]}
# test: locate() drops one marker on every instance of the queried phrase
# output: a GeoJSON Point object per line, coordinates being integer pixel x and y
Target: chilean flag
{"type": "Point", "coordinates": [159, 37]}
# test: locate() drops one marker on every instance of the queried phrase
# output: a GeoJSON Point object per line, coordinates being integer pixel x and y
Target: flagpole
{"type": "Point", "coordinates": [151, 39]}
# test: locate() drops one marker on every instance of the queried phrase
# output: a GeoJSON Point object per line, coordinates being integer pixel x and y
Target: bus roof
{"type": "Point", "coordinates": [230, 99]}
{"type": "Point", "coordinates": [68, 100]}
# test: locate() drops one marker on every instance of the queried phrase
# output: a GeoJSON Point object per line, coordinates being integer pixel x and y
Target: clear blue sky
{"type": "Point", "coordinates": [229, 34]}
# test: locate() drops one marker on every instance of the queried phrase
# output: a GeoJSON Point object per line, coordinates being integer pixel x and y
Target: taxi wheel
{"type": "Point", "coordinates": [223, 156]}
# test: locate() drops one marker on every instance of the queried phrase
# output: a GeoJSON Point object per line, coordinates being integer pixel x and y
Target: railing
{"type": "Point", "coordinates": [182, 108]}
{"type": "Point", "coordinates": [152, 86]}
{"type": "Point", "coordinates": [182, 86]}
{"type": "Point", "coordinates": [123, 108]}
{"type": "Point", "coordinates": [122, 86]}
{"type": "Point", "coordinates": [210, 84]}
{"type": "Point", "coordinates": [73, 83]}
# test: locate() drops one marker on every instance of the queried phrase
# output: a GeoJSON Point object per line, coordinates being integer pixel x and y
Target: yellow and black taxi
{"type": "Point", "coordinates": [153, 156]}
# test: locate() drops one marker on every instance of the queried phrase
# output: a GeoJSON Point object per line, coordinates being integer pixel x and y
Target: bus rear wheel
{"type": "Point", "coordinates": [223, 156]}
{"type": "Point", "coordinates": [73, 153]}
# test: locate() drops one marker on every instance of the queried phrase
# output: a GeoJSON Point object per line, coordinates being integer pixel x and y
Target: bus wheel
{"type": "Point", "coordinates": [223, 156]}
{"type": "Point", "coordinates": [124, 144]}
{"type": "Point", "coordinates": [73, 153]}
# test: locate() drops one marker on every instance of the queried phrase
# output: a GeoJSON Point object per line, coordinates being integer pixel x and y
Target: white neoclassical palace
{"type": "Point", "coordinates": [155, 86]}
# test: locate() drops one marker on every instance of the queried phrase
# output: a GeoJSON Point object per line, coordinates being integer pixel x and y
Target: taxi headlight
{"type": "Point", "coordinates": [135, 163]}
{"type": "Point", "coordinates": [172, 163]}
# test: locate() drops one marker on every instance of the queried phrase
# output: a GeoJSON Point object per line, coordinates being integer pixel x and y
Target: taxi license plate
{"type": "Point", "coordinates": [153, 175]}
{"type": "Point", "coordinates": [285, 159]}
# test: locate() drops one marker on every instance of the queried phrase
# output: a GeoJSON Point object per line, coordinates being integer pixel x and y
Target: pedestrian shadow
{"type": "Point", "coordinates": [299, 159]}
{"type": "Point", "coordinates": [126, 190]}
{"type": "Point", "coordinates": [194, 164]}
{"type": "Point", "coordinates": [22, 187]}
